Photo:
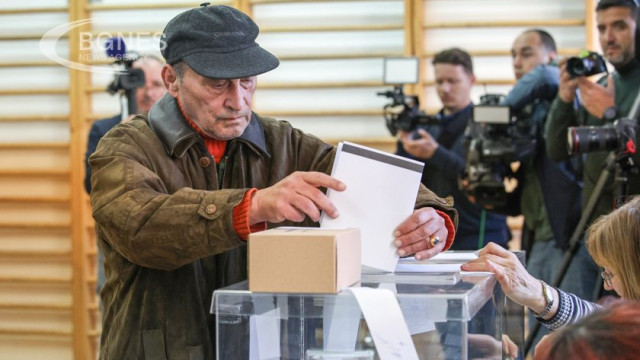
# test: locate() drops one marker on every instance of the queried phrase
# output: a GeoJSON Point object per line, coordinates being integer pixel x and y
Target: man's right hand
{"type": "Point", "coordinates": [293, 198]}
{"type": "Point", "coordinates": [422, 148]}
{"type": "Point", "coordinates": [568, 84]}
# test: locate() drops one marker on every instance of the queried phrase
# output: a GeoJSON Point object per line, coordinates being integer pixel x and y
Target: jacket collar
{"type": "Point", "coordinates": [176, 135]}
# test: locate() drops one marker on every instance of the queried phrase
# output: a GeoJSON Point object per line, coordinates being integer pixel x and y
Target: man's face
{"type": "Point", "coordinates": [219, 107]}
{"type": "Point", "coordinates": [153, 88]}
{"type": "Point", "coordinates": [527, 53]}
{"type": "Point", "coordinates": [616, 31]}
{"type": "Point", "coordinates": [454, 85]}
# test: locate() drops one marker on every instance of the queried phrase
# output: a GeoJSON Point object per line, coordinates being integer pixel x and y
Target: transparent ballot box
{"type": "Point", "coordinates": [449, 316]}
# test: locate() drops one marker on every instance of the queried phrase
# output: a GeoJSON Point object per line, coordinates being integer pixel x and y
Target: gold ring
{"type": "Point", "coordinates": [434, 240]}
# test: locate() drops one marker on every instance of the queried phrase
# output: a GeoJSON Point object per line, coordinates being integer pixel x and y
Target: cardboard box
{"type": "Point", "coordinates": [304, 260]}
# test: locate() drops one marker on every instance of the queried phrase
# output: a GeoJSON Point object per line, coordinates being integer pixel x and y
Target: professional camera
{"type": "Point", "coordinates": [496, 138]}
{"type": "Point", "coordinates": [403, 113]}
{"type": "Point", "coordinates": [587, 64]}
{"type": "Point", "coordinates": [128, 80]}
{"type": "Point", "coordinates": [619, 136]}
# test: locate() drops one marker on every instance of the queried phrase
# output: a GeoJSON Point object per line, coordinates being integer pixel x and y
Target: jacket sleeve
{"type": "Point", "coordinates": [561, 116]}
{"type": "Point", "coordinates": [539, 83]}
{"type": "Point", "coordinates": [92, 143]}
{"type": "Point", "coordinates": [427, 198]}
{"type": "Point", "coordinates": [137, 216]}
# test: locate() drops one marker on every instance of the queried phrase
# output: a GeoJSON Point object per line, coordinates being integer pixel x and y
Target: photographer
{"type": "Point", "coordinates": [441, 147]}
{"type": "Point", "coordinates": [599, 103]}
{"type": "Point", "coordinates": [146, 96]}
{"type": "Point", "coordinates": [547, 192]}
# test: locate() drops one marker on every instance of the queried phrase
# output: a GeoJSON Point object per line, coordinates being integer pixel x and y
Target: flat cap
{"type": "Point", "coordinates": [217, 42]}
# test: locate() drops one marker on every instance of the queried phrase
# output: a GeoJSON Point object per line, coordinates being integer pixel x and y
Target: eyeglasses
{"type": "Point", "coordinates": [607, 278]}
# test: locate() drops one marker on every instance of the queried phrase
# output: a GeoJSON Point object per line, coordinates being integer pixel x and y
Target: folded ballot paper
{"type": "Point", "coordinates": [381, 193]}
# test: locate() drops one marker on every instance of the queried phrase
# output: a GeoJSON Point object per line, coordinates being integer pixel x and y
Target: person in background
{"type": "Point", "coordinates": [581, 102]}
{"type": "Point", "coordinates": [146, 96]}
{"type": "Point", "coordinates": [547, 192]}
{"type": "Point", "coordinates": [177, 192]}
{"type": "Point", "coordinates": [608, 334]}
{"type": "Point", "coordinates": [442, 149]}
{"type": "Point", "coordinates": [613, 241]}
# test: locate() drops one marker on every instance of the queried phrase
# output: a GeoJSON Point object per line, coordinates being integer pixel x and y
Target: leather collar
{"type": "Point", "coordinates": [177, 135]}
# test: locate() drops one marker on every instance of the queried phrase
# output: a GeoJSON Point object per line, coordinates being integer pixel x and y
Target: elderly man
{"type": "Point", "coordinates": [177, 192]}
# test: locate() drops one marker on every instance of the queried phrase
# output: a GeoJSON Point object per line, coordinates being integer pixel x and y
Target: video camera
{"type": "Point", "coordinates": [127, 81]}
{"type": "Point", "coordinates": [403, 113]}
{"type": "Point", "coordinates": [496, 138]}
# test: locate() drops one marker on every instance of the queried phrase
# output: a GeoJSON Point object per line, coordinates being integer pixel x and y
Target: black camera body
{"type": "Point", "coordinates": [589, 63]}
{"type": "Point", "coordinates": [403, 113]}
{"type": "Point", "coordinates": [494, 140]}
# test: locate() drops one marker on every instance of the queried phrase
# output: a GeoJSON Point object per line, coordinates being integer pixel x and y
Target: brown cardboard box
{"type": "Point", "coordinates": [304, 260]}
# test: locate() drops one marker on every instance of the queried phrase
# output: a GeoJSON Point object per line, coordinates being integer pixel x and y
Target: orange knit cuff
{"type": "Point", "coordinates": [450, 228]}
{"type": "Point", "coordinates": [241, 217]}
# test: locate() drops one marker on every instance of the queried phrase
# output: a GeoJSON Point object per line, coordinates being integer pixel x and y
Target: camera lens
{"type": "Point", "coordinates": [577, 66]}
{"type": "Point", "coordinates": [592, 138]}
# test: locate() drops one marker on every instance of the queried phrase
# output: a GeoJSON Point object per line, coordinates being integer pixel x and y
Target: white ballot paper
{"type": "Point", "coordinates": [386, 323]}
{"type": "Point", "coordinates": [444, 262]}
{"type": "Point", "coordinates": [381, 193]}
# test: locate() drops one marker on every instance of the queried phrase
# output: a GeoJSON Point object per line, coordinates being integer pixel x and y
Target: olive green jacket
{"type": "Point", "coordinates": [562, 115]}
{"type": "Point", "coordinates": [164, 221]}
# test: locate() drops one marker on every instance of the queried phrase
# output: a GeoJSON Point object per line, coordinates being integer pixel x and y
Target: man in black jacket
{"type": "Point", "coordinates": [441, 147]}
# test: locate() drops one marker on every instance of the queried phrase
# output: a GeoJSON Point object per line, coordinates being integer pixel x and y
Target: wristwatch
{"type": "Point", "coordinates": [548, 297]}
{"type": "Point", "coordinates": [610, 114]}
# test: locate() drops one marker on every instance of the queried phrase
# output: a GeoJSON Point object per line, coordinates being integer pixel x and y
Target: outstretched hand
{"type": "Point", "coordinates": [516, 282]}
{"type": "Point", "coordinates": [418, 233]}
{"type": "Point", "coordinates": [294, 197]}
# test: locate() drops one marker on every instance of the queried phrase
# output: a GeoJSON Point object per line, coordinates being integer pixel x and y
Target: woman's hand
{"type": "Point", "coordinates": [516, 282]}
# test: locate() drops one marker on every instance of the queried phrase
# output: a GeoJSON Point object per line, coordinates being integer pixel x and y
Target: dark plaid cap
{"type": "Point", "coordinates": [217, 42]}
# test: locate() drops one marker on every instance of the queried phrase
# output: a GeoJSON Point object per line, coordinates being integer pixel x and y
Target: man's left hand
{"type": "Point", "coordinates": [595, 97]}
{"type": "Point", "coordinates": [423, 234]}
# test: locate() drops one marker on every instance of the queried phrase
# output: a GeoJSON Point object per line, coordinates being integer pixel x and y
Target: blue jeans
{"type": "Point", "coordinates": [580, 279]}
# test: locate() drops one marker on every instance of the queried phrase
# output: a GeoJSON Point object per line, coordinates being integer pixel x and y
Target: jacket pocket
{"type": "Point", "coordinates": [153, 343]}
{"type": "Point", "coordinates": [196, 352]}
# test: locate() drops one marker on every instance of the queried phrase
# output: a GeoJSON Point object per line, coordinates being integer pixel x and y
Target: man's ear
{"type": "Point", "coordinates": [171, 80]}
{"type": "Point", "coordinates": [552, 56]}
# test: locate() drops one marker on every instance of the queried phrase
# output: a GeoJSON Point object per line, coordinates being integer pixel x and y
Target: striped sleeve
{"type": "Point", "coordinates": [570, 309]}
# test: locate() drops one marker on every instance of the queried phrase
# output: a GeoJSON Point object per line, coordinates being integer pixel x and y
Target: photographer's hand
{"type": "Point", "coordinates": [595, 97]}
{"type": "Point", "coordinates": [422, 148]}
{"type": "Point", "coordinates": [568, 84]}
